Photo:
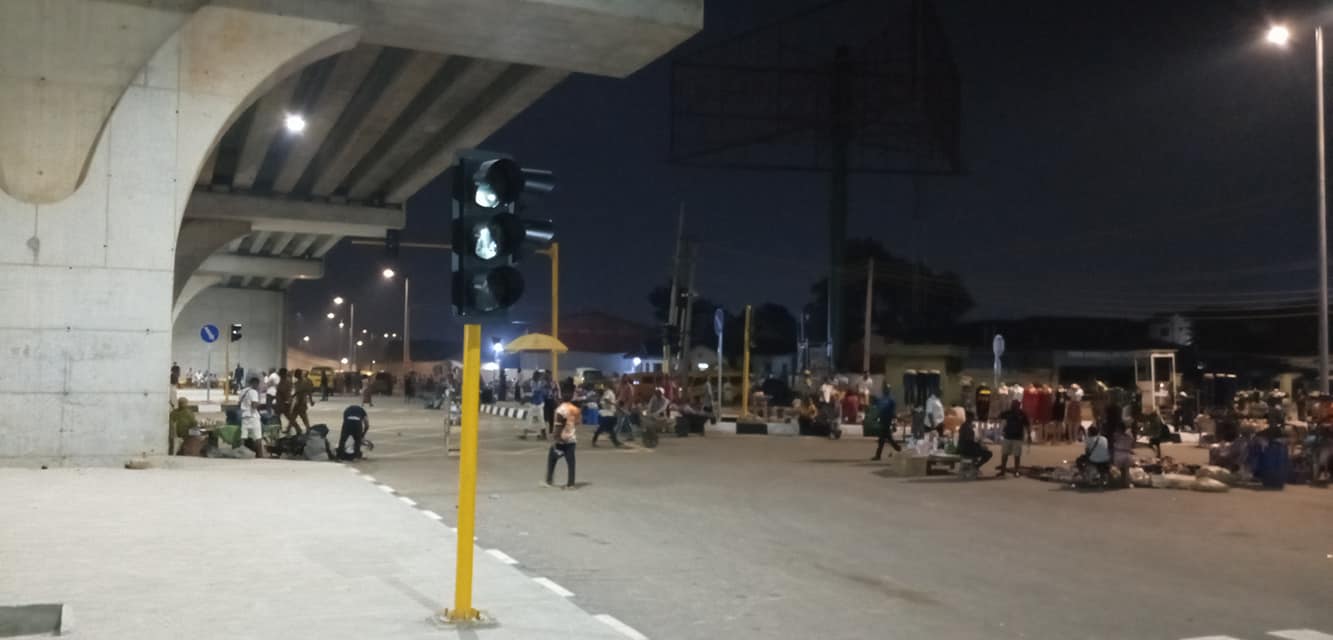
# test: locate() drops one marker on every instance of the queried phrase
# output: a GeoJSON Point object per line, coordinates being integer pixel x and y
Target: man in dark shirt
{"type": "Point", "coordinates": [968, 447]}
{"type": "Point", "coordinates": [1015, 431]}
{"type": "Point", "coordinates": [355, 425]}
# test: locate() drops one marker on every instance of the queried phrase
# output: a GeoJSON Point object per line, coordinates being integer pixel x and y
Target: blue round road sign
{"type": "Point", "coordinates": [209, 333]}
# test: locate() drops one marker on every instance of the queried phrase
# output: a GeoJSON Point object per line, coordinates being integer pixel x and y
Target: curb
{"type": "Point", "coordinates": [505, 412]}
{"type": "Point", "coordinates": [504, 558]}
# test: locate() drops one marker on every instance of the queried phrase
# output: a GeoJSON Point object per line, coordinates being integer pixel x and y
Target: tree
{"type": "Point", "coordinates": [910, 302]}
{"type": "Point", "coordinates": [774, 326]}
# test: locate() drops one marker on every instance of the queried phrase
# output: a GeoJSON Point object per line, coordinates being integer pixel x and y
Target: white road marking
{"type": "Point", "coordinates": [1300, 634]}
{"type": "Point", "coordinates": [385, 488]}
{"type": "Point", "coordinates": [369, 478]}
{"type": "Point", "coordinates": [624, 629]}
{"type": "Point", "coordinates": [1213, 638]}
{"type": "Point", "coordinates": [501, 556]}
{"type": "Point", "coordinates": [408, 501]}
{"type": "Point", "coordinates": [555, 588]}
{"type": "Point", "coordinates": [431, 514]}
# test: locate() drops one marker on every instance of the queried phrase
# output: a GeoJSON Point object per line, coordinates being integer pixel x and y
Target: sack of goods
{"type": "Point", "coordinates": [1210, 485]}
{"type": "Point", "coordinates": [1172, 481]}
{"type": "Point", "coordinates": [1139, 478]}
{"type": "Point", "coordinates": [1215, 473]}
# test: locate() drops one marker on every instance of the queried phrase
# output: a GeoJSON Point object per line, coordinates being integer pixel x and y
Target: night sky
{"type": "Point", "coordinates": [1121, 158]}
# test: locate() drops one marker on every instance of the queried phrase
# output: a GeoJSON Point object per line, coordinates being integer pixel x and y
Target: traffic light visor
{"type": "Point", "coordinates": [498, 183]}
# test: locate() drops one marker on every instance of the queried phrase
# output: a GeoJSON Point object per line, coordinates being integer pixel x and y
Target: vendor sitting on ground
{"type": "Point", "coordinates": [968, 446]}
{"type": "Point", "coordinates": [183, 422]}
{"type": "Point", "coordinates": [1096, 451]}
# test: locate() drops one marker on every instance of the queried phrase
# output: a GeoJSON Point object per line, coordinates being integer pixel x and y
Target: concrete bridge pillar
{"type": "Point", "coordinates": [107, 111]}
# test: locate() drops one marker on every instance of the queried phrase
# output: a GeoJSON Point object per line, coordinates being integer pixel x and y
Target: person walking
{"type": "Point", "coordinates": [252, 427]}
{"type": "Point", "coordinates": [271, 389]}
{"type": "Point", "coordinates": [935, 414]}
{"type": "Point", "coordinates": [563, 441]}
{"type": "Point", "coordinates": [888, 421]}
{"type": "Point", "coordinates": [1015, 430]}
{"type": "Point", "coordinates": [302, 397]}
{"type": "Point", "coordinates": [355, 425]}
{"type": "Point", "coordinates": [367, 392]}
{"type": "Point", "coordinates": [283, 398]}
{"type": "Point", "coordinates": [324, 386]}
{"type": "Point", "coordinates": [607, 417]}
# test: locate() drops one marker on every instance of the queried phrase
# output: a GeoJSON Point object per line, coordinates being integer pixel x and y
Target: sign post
{"type": "Point", "coordinates": [209, 334]}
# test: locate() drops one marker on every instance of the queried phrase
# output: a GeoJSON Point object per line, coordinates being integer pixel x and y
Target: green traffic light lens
{"type": "Point", "coordinates": [485, 242]}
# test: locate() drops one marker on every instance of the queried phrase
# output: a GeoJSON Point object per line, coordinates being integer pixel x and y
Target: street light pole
{"type": "Point", "coordinates": [407, 327]}
{"type": "Point", "coordinates": [1323, 210]}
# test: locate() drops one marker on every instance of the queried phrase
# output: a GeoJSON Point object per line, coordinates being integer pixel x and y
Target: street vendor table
{"type": "Point", "coordinates": [941, 459]}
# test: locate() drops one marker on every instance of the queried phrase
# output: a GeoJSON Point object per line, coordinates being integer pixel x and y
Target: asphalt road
{"type": "Point", "coordinates": [781, 537]}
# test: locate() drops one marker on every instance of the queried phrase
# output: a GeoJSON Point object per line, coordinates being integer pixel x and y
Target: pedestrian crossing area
{"type": "Point", "coordinates": [1288, 634]}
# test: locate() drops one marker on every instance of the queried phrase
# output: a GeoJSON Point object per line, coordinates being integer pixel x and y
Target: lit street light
{"type": "Point", "coordinates": [294, 123]}
{"type": "Point", "coordinates": [329, 315]}
{"type": "Point", "coordinates": [341, 324]}
{"type": "Point", "coordinates": [359, 343]}
{"type": "Point", "coordinates": [305, 339]}
{"type": "Point", "coordinates": [337, 300]}
{"type": "Point", "coordinates": [344, 361]}
{"type": "Point", "coordinates": [1279, 35]}
{"type": "Point", "coordinates": [386, 335]}
{"type": "Point", "coordinates": [388, 273]}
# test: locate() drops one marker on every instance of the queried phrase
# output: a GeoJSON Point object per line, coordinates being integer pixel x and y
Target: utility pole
{"type": "Point", "coordinates": [865, 337]}
{"type": "Point", "coordinates": [671, 308]}
{"type": "Point", "coordinates": [840, 135]}
{"type": "Point", "coordinates": [745, 367]}
{"type": "Point", "coordinates": [407, 328]}
{"type": "Point", "coordinates": [688, 320]}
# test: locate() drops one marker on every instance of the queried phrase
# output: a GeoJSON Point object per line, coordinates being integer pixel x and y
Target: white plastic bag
{"type": "Point", "coordinates": [1139, 478]}
{"type": "Point", "coordinates": [1210, 485]}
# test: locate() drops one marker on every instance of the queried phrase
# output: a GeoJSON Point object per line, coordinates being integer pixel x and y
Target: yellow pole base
{"type": "Point", "coordinates": [464, 619]}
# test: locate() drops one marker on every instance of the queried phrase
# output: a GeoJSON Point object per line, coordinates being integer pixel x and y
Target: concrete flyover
{"type": "Point", "coordinates": [143, 165]}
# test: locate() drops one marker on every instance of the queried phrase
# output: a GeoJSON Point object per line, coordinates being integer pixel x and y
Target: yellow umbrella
{"type": "Point", "coordinates": [536, 342]}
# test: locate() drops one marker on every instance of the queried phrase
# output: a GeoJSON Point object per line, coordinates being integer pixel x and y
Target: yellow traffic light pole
{"type": "Point", "coordinates": [467, 479]}
{"type": "Point", "coordinates": [554, 253]}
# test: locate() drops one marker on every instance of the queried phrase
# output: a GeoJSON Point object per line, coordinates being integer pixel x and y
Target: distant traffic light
{"type": "Point", "coordinates": [235, 332]}
{"type": "Point", "coordinates": [488, 235]}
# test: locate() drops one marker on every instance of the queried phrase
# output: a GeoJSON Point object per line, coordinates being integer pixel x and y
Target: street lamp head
{"type": "Point", "coordinates": [393, 335]}
{"type": "Point", "coordinates": [1278, 35]}
{"type": "Point", "coordinates": [294, 123]}
{"type": "Point", "coordinates": [344, 361]}
{"type": "Point", "coordinates": [638, 361]}
{"type": "Point", "coordinates": [305, 339]}
{"type": "Point", "coordinates": [388, 274]}
{"type": "Point", "coordinates": [329, 315]}
{"type": "Point", "coordinates": [386, 335]}
{"type": "Point", "coordinates": [337, 300]}
{"type": "Point", "coordinates": [341, 324]}
{"type": "Point", "coordinates": [359, 343]}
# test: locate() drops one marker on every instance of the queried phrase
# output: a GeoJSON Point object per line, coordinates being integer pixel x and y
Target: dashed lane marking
{"type": "Point", "coordinates": [555, 588]}
{"type": "Point", "coordinates": [407, 501]}
{"type": "Point", "coordinates": [1300, 634]}
{"type": "Point", "coordinates": [432, 515]}
{"type": "Point", "coordinates": [624, 629]}
{"type": "Point", "coordinates": [501, 556]}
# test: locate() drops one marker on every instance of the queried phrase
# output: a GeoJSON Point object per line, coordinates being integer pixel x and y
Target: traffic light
{"type": "Point", "coordinates": [488, 234]}
{"type": "Point", "coordinates": [235, 332]}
